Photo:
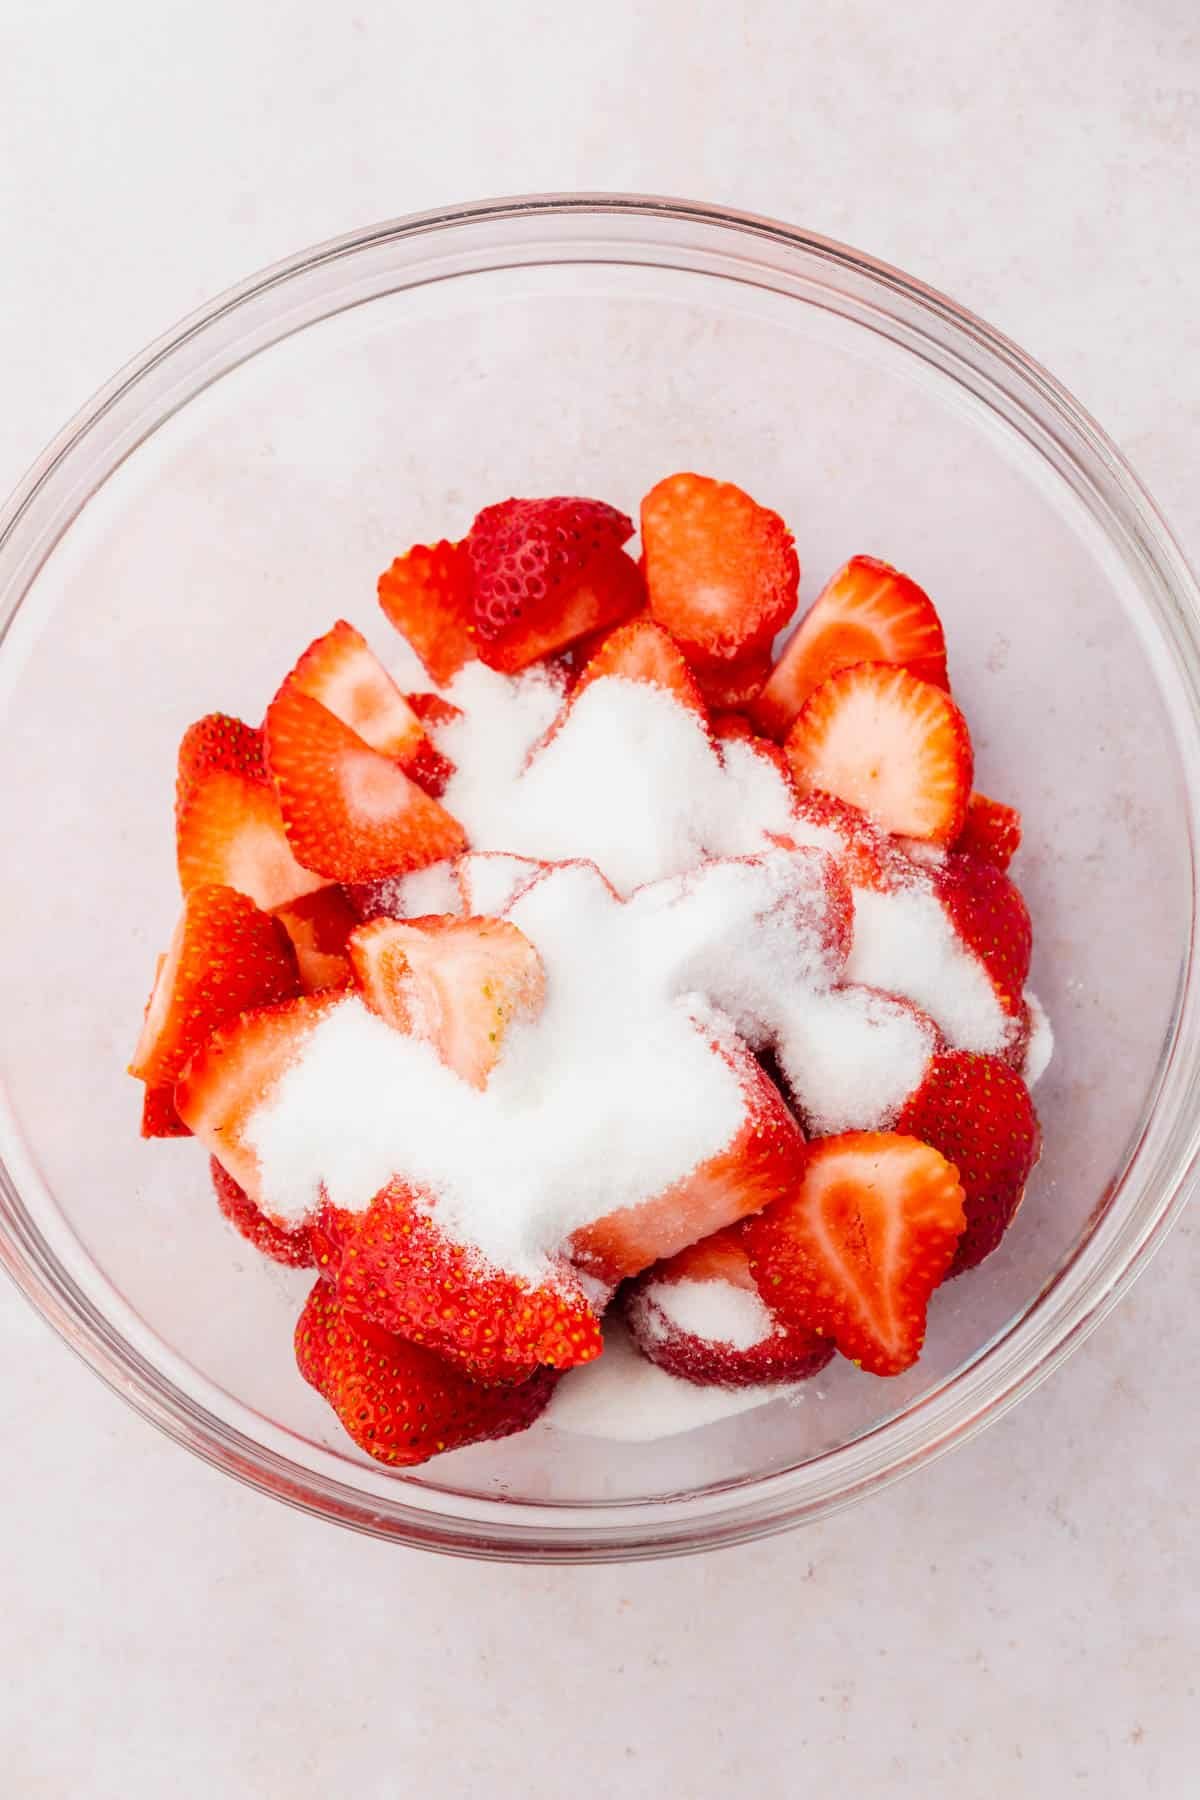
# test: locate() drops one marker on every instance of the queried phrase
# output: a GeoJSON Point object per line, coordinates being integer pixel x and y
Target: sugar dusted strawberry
{"type": "Point", "coordinates": [991, 831]}
{"type": "Point", "coordinates": [643, 651]}
{"type": "Point", "coordinates": [735, 684]}
{"type": "Point", "coordinates": [349, 812]}
{"type": "Point", "coordinates": [489, 880]}
{"type": "Point", "coordinates": [319, 925]}
{"type": "Point", "coordinates": [225, 957]}
{"type": "Point", "coordinates": [868, 612]}
{"type": "Point", "coordinates": [289, 1245]}
{"type": "Point", "coordinates": [398, 1402]}
{"type": "Point", "coordinates": [426, 595]}
{"type": "Point", "coordinates": [458, 983]}
{"type": "Point", "coordinates": [884, 741]}
{"type": "Point", "coordinates": [546, 572]}
{"type": "Point", "coordinates": [721, 571]}
{"type": "Point", "coordinates": [977, 1112]}
{"type": "Point", "coordinates": [866, 855]}
{"type": "Point", "coordinates": [159, 1117]}
{"type": "Point", "coordinates": [342, 671]}
{"type": "Point", "coordinates": [858, 1247]}
{"type": "Point", "coordinates": [988, 913]}
{"type": "Point", "coordinates": [228, 826]}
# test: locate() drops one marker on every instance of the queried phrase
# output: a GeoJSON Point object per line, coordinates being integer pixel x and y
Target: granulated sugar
{"type": "Point", "coordinates": [717, 1311]}
{"type": "Point", "coordinates": [1040, 1047]}
{"type": "Point", "coordinates": [904, 944]}
{"type": "Point", "coordinates": [852, 1058]}
{"type": "Point", "coordinates": [488, 880]}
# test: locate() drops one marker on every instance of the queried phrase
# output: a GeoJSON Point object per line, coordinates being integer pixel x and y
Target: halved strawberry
{"type": "Point", "coordinates": [988, 913]}
{"type": "Point", "coordinates": [991, 831]}
{"type": "Point", "coordinates": [219, 743]}
{"type": "Point", "coordinates": [225, 957]}
{"type": "Point", "coordinates": [735, 684]}
{"type": "Point", "coordinates": [858, 1247]}
{"type": "Point", "coordinates": [643, 651]}
{"type": "Point", "coordinates": [344, 674]}
{"type": "Point", "coordinates": [700, 1316]}
{"type": "Point", "coordinates": [318, 925]}
{"type": "Point", "coordinates": [395, 1265]}
{"type": "Point", "coordinates": [159, 1117]}
{"type": "Point", "coordinates": [349, 812]}
{"type": "Point", "coordinates": [545, 572]}
{"type": "Point", "coordinates": [286, 1244]}
{"type": "Point", "coordinates": [399, 1403]}
{"type": "Point", "coordinates": [866, 855]}
{"type": "Point", "coordinates": [426, 595]}
{"type": "Point", "coordinates": [721, 571]}
{"type": "Point", "coordinates": [977, 1112]}
{"type": "Point", "coordinates": [895, 746]}
{"type": "Point", "coordinates": [457, 983]}
{"type": "Point", "coordinates": [762, 1163]}
{"type": "Point", "coordinates": [237, 1071]}
{"type": "Point", "coordinates": [228, 826]}
{"type": "Point", "coordinates": [868, 612]}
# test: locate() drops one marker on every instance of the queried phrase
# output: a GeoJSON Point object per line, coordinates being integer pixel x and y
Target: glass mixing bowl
{"type": "Point", "coordinates": [242, 484]}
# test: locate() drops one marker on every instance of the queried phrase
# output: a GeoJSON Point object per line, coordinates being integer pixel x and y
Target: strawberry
{"type": "Point", "coordinates": [895, 746]}
{"type": "Point", "coordinates": [396, 1266]}
{"type": "Point", "coordinates": [643, 651]}
{"type": "Point", "coordinates": [584, 648]}
{"type": "Point", "coordinates": [866, 855]}
{"type": "Point", "coordinates": [713, 1279]}
{"type": "Point", "coordinates": [349, 812]}
{"type": "Point", "coordinates": [225, 957]}
{"type": "Point", "coordinates": [977, 1112]}
{"type": "Point", "coordinates": [433, 711]}
{"type": "Point", "coordinates": [458, 983]}
{"type": "Point", "coordinates": [344, 674]}
{"type": "Point", "coordinates": [426, 595]}
{"type": "Point", "coordinates": [857, 1248]}
{"type": "Point", "coordinates": [159, 1117]}
{"type": "Point", "coordinates": [729, 726]}
{"type": "Point", "coordinates": [991, 831]}
{"type": "Point", "coordinates": [735, 684]}
{"type": "Point", "coordinates": [545, 572]}
{"type": "Point", "coordinates": [869, 612]}
{"type": "Point", "coordinates": [285, 1244]}
{"type": "Point", "coordinates": [236, 1072]}
{"type": "Point", "coordinates": [762, 1163]}
{"type": "Point", "coordinates": [721, 571]}
{"type": "Point", "coordinates": [991, 918]}
{"type": "Point", "coordinates": [219, 743]}
{"type": "Point", "coordinates": [228, 826]}
{"type": "Point", "coordinates": [318, 925]}
{"type": "Point", "coordinates": [398, 1402]}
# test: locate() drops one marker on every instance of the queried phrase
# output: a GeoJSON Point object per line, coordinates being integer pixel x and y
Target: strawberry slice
{"type": "Point", "coordinates": [643, 651]}
{"type": "Point", "coordinates": [237, 1071]}
{"type": "Point", "coordinates": [396, 1266]}
{"type": "Point", "coordinates": [977, 1112]}
{"type": "Point", "coordinates": [219, 743]}
{"type": "Point", "coordinates": [344, 674]}
{"type": "Point", "coordinates": [545, 572]}
{"type": "Point", "coordinates": [398, 1402]}
{"type": "Point", "coordinates": [228, 826]}
{"type": "Point", "coordinates": [721, 570]}
{"type": "Point", "coordinates": [762, 1163]}
{"type": "Point", "coordinates": [319, 925]}
{"type": "Point", "coordinates": [859, 1246]}
{"type": "Point", "coordinates": [225, 957]}
{"type": "Point", "coordinates": [700, 1316]}
{"type": "Point", "coordinates": [159, 1117]}
{"type": "Point", "coordinates": [286, 1244]}
{"type": "Point", "coordinates": [991, 831]}
{"type": "Point", "coordinates": [866, 855]}
{"type": "Point", "coordinates": [869, 612]}
{"type": "Point", "coordinates": [457, 983]}
{"type": "Point", "coordinates": [349, 812]}
{"type": "Point", "coordinates": [892, 745]}
{"type": "Point", "coordinates": [433, 711]}
{"type": "Point", "coordinates": [990, 916]}
{"type": "Point", "coordinates": [426, 595]}
{"type": "Point", "coordinates": [735, 684]}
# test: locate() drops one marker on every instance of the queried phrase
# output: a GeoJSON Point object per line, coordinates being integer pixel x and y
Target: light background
{"type": "Point", "coordinates": [1022, 1618]}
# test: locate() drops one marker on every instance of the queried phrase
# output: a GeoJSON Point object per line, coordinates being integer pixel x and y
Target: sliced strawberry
{"type": "Point", "coordinates": [395, 1265]}
{"type": "Point", "coordinates": [731, 726]}
{"type": "Point", "coordinates": [159, 1117]}
{"type": "Point", "coordinates": [721, 571]}
{"type": "Point", "coordinates": [319, 925]}
{"type": "Point", "coordinates": [433, 711]}
{"type": "Point", "coordinates": [735, 684]}
{"type": "Point", "coordinates": [991, 832]}
{"type": "Point", "coordinates": [219, 744]}
{"type": "Point", "coordinates": [700, 1316]}
{"type": "Point", "coordinates": [545, 572]}
{"type": "Point", "coordinates": [490, 880]}
{"type": "Point", "coordinates": [895, 746]}
{"type": "Point", "coordinates": [584, 648]}
{"type": "Point", "coordinates": [762, 1163]}
{"type": "Point", "coordinates": [991, 918]}
{"type": "Point", "coordinates": [643, 651]}
{"type": "Point", "coordinates": [349, 812]}
{"type": "Point", "coordinates": [290, 1245]}
{"type": "Point", "coordinates": [228, 827]}
{"type": "Point", "coordinates": [867, 856]}
{"type": "Point", "coordinates": [344, 674]}
{"type": "Point", "coordinates": [869, 612]}
{"type": "Point", "coordinates": [237, 1071]}
{"type": "Point", "coordinates": [398, 1402]}
{"type": "Point", "coordinates": [225, 957]}
{"type": "Point", "coordinates": [426, 595]}
{"type": "Point", "coordinates": [977, 1112]}
{"type": "Point", "coordinates": [858, 1247]}
{"type": "Point", "coordinates": [457, 983]}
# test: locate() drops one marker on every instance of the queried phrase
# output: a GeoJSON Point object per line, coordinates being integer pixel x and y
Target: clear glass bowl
{"type": "Point", "coordinates": [243, 483]}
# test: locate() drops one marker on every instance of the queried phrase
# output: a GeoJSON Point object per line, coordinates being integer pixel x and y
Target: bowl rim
{"type": "Point", "coordinates": [1031, 1346]}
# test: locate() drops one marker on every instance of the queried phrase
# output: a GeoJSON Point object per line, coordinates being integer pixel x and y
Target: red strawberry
{"type": "Point", "coordinates": [159, 1117]}
{"type": "Point", "coordinates": [735, 684]}
{"type": "Point", "coordinates": [992, 831]}
{"type": "Point", "coordinates": [991, 918]}
{"type": "Point", "coordinates": [318, 925]}
{"type": "Point", "coordinates": [668, 1308]}
{"type": "Point", "coordinates": [395, 1265]}
{"type": "Point", "coordinates": [433, 711]}
{"type": "Point", "coordinates": [398, 1402]}
{"type": "Point", "coordinates": [867, 856]}
{"type": "Point", "coordinates": [458, 983]}
{"type": "Point", "coordinates": [735, 725]}
{"type": "Point", "coordinates": [721, 570]}
{"type": "Point", "coordinates": [643, 651]}
{"type": "Point", "coordinates": [219, 743]}
{"type": "Point", "coordinates": [344, 674]}
{"type": "Point", "coordinates": [426, 594]}
{"type": "Point", "coordinates": [895, 746]}
{"type": "Point", "coordinates": [225, 957]}
{"type": "Point", "coordinates": [236, 1072]}
{"type": "Point", "coordinates": [867, 613]}
{"type": "Point", "coordinates": [285, 1244]}
{"type": "Point", "coordinates": [545, 572]}
{"type": "Point", "coordinates": [229, 830]}
{"type": "Point", "coordinates": [860, 1244]}
{"type": "Point", "coordinates": [977, 1112]}
{"type": "Point", "coordinates": [762, 1163]}
{"type": "Point", "coordinates": [349, 812]}
{"type": "Point", "coordinates": [584, 648]}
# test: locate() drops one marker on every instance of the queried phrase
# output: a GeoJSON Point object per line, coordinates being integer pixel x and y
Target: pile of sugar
{"type": "Point", "coordinates": [853, 1056]}
{"type": "Point", "coordinates": [717, 1311]}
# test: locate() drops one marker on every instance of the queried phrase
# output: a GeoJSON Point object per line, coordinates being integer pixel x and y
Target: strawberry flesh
{"type": "Point", "coordinates": [426, 595]}
{"type": "Point", "coordinates": [289, 1245]}
{"type": "Point", "coordinates": [228, 826]}
{"type": "Point", "coordinates": [319, 925]}
{"type": "Point", "coordinates": [991, 831]}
